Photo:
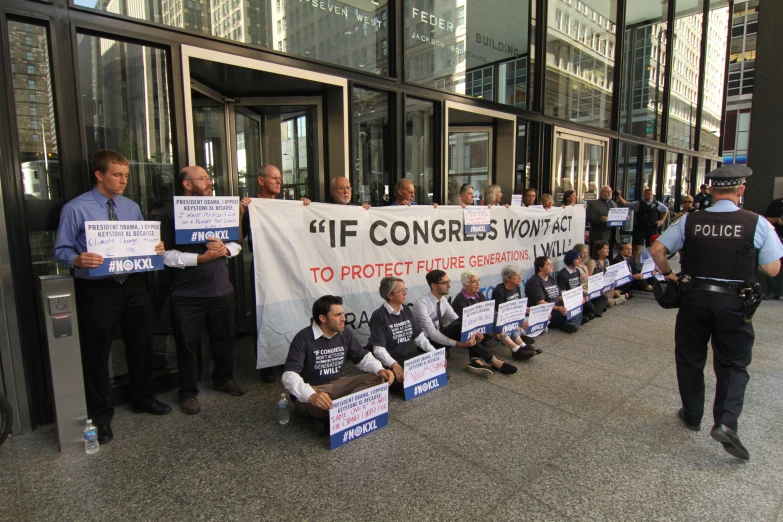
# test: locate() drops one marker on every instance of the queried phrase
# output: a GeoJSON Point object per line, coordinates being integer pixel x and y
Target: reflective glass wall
{"type": "Point", "coordinates": [714, 75]}
{"type": "Point", "coordinates": [644, 68]}
{"type": "Point", "coordinates": [477, 48]}
{"type": "Point", "coordinates": [420, 148]}
{"type": "Point", "coordinates": [683, 103]}
{"type": "Point", "coordinates": [354, 35]}
{"type": "Point", "coordinates": [580, 51]}
{"type": "Point", "coordinates": [371, 139]}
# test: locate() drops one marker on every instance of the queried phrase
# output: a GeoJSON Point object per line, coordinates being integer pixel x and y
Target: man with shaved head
{"type": "Point", "coordinates": [201, 295]}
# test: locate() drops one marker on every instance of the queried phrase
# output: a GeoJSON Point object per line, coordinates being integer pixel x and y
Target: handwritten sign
{"type": "Point", "coordinates": [623, 276]}
{"type": "Point", "coordinates": [510, 316]}
{"type": "Point", "coordinates": [572, 299]}
{"type": "Point", "coordinates": [358, 414]}
{"type": "Point", "coordinates": [424, 373]}
{"type": "Point", "coordinates": [648, 267]}
{"type": "Point", "coordinates": [539, 319]}
{"type": "Point", "coordinates": [610, 276]}
{"type": "Point", "coordinates": [477, 318]}
{"type": "Point", "coordinates": [516, 200]}
{"type": "Point", "coordinates": [126, 246]}
{"type": "Point", "coordinates": [476, 220]}
{"type": "Point", "coordinates": [617, 217]}
{"type": "Point", "coordinates": [198, 219]}
{"type": "Point", "coordinates": [595, 286]}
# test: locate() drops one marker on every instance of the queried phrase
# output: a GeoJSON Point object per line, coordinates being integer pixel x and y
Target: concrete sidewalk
{"type": "Point", "coordinates": [585, 431]}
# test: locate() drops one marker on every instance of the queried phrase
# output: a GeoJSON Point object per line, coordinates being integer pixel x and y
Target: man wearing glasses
{"type": "Point", "coordinates": [437, 318]}
{"type": "Point", "coordinates": [201, 294]}
{"type": "Point", "coordinates": [340, 192]}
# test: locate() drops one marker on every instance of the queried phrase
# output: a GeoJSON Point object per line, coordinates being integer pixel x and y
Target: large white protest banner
{"type": "Point", "coordinates": [304, 252]}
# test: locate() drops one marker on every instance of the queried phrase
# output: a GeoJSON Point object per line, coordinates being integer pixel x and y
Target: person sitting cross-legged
{"type": "Point", "coordinates": [568, 278]}
{"type": "Point", "coordinates": [510, 290]}
{"type": "Point", "coordinates": [542, 288]}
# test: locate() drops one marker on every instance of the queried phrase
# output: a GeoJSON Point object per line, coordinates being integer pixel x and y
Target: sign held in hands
{"type": "Point", "coordinates": [126, 246]}
{"type": "Point", "coordinates": [198, 219]}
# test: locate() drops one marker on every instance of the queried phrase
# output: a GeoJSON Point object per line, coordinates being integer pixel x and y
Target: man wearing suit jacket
{"type": "Point", "coordinates": [598, 215]}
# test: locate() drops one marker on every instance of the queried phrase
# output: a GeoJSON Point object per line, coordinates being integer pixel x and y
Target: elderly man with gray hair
{"type": "Point", "coordinates": [394, 330]}
{"type": "Point", "coordinates": [481, 359]}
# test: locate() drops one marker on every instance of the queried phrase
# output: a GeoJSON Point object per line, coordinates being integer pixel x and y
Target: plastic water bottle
{"type": "Point", "coordinates": [282, 409]}
{"type": "Point", "coordinates": [91, 445]}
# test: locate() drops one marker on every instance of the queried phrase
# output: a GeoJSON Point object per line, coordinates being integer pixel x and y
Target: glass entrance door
{"type": "Point", "coordinates": [579, 164]}
{"type": "Point", "coordinates": [470, 161]}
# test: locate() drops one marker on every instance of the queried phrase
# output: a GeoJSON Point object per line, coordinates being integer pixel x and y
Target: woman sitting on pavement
{"type": "Point", "coordinates": [568, 278]}
{"type": "Point", "coordinates": [394, 330]}
{"type": "Point", "coordinates": [481, 358]}
{"type": "Point", "coordinates": [509, 291]}
{"type": "Point", "coordinates": [599, 303]}
{"type": "Point", "coordinates": [599, 263]}
{"type": "Point", "coordinates": [542, 288]}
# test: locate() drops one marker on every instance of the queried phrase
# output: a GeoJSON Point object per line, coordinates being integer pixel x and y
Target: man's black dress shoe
{"type": "Point", "coordinates": [692, 427]}
{"type": "Point", "coordinates": [730, 440]}
{"type": "Point", "coordinates": [153, 407]}
{"type": "Point", "coordinates": [105, 434]}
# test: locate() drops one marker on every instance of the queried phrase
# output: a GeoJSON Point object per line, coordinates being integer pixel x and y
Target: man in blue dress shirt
{"type": "Point", "coordinates": [104, 302]}
{"type": "Point", "coordinates": [723, 246]}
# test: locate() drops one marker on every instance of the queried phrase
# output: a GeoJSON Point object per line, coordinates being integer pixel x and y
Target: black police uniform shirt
{"type": "Point", "coordinates": [704, 200]}
{"type": "Point", "coordinates": [395, 332]}
{"type": "Point", "coordinates": [775, 210]}
{"type": "Point", "coordinates": [538, 290]}
{"type": "Point", "coordinates": [319, 361]}
{"type": "Point", "coordinates": [208, 279]}
{"type": "Point", "coordinates": [567, 280]}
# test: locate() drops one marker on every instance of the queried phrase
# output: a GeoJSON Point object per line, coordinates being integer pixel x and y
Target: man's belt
{"type": "Point", "coordinates": [718, 287]}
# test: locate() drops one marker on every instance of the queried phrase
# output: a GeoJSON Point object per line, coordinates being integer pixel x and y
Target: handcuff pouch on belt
{"type": "Point", "coordinates": [667, 293]}
{"type": "Point", "coordinates": [750, 293]}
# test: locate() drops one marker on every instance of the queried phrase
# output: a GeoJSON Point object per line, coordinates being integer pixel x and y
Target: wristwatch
{"type": "Point", "coordinates": [664, 274]}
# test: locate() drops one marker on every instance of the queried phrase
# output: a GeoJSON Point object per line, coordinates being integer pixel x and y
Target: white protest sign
{"type": "Point", "coordinates": [477, 318]}
{"type": "Point", "coordinates": [126, 246]}
{"type": "Point", "coordinates": [511, 314]}
{"type": "Point", "coordinates": [610, 276]}
{"type": "Point", "coordinates": [595, 285]}
{"type": "Point", "coordinates": [197, 219]}
{"type": "Point", "coordinates": [648, 267]}
{"type": "Point", "coordinates": [358, 414]}
{"type": "Point", "coordinates": [572, 299]}
{"type": "Point", "coordinates": [536, 206]}
{"type": "Point", "coordinates": [424, 373]}
{"type": "Point", "coordinates": [623, 275]}
{"type": "Point", "coordinates": [476, 219]}
{"type": "Point", "coordinates": [539, 319]}
{"type": "Point", "coordinates": [516, 200]}
{"type": "Point", "coordinates": [617, 217]}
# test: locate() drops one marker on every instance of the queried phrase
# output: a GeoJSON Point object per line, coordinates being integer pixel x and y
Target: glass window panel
{"type": "Point", "coordinates": [567, 162]}
{"type": "Point", "coordinates": [371, 135]}
{"type": "Point", "coordinates": [420, 148]}
{"type": "Point", "coordinates": [649, 171]}
{"type": "Point", "coordinates": [579, 67]}
{"type": "Point", "coordinates": [469, 163]}
{"type": "Point", "coordinates": [35, 118]}
{"type": "Point", "coordinates": [522, 180]}
{"type": "Point", "coordinates": [330, 31]}
{"type": "Point", "coordinates": [483, 49]}
{"type": "Point", "coordinates": [644, 68]}
{"type": "Point", "coordinates": [685, 73]}
{"type": "Point", "coordinates": [669, 186]}
{"type": "Point", "coordinates": [125, 102]}
{"type": "Point", "coordinates": [626, 171]}
{"type": "Point", "coordinates": [713, 80]}
{"type": "Point", "coordinates": [688, 175]}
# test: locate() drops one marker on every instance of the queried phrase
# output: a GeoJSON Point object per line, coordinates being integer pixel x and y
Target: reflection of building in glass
{"type": "Point", "coordinates": [742, 68]}
{"type": "Point", "coordinates": [191, 15]}
{"type": "Point", "coordinates": [579, 63]}
{"type": "Point", "coordinates": [714, 74]}
{"type": "Point", "coordinates": [685, 80]}
{"type": "Point", "coordinates": [237, 20]}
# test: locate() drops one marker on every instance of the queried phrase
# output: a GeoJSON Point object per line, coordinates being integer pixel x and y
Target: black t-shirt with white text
{"type": "Point", "coordinates": [538, 290]}
{"type": "Point", "coordinates": [567, 280]}
{"type": "Point", "coordinates": [321, 360]}
{"type": "Point", "coordinates": [394, 332]}
{"type": "Point", "coordinates": [501, 294]}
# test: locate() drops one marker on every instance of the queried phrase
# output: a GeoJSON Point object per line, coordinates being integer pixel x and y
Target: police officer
{"type": "Point", "coordinates": [703, 199]}
{"type": "Point", "coordinates": [650, 216]}
{"type": "Point", "coordinates": [723, 246]}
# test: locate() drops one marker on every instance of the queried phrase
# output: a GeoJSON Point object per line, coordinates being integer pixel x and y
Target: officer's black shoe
{"type": "Point", "coordinates": [105, 435]}
{"type": "Point", "coordinates": [692, 427]}
{"type": "Point", "coordinates": [267, 374]}
{"type": "Point", "coordinates": [730, 440]}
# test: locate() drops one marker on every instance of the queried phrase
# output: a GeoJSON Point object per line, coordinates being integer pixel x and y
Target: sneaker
{"type": "Point", "coordinates": [232, 388]}
{"type": "Point", "coordinates": [189, 405]}
{"type": "Point", "coordinates": [480, 369]}
{"type": "Point", "coordinates": [507, 369]}
{"type": "Point", "coordinates": [524, 353]}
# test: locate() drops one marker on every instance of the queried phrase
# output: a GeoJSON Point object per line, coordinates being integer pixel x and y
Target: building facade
{"type": "Point", "coordinates": [555, 94]}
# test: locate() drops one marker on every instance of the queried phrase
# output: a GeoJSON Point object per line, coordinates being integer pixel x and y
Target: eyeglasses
{"type": "Point", "coordinates": [202, 179]}
{"type": "Point", "coordinates": [474, 282]}
{"type": "Point", "coordinates": [447, 283]}
{"type": "Point", "coordinates": [403, 291]}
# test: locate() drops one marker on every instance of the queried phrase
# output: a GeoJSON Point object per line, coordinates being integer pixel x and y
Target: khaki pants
{"type": "Point", "coordinates": [339, 388]}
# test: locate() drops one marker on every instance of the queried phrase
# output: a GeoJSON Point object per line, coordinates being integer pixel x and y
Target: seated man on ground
{"type": "Point", "coordinates": [510, 290]}
{"type": "Point", "coordinates": [481, 358]}
{"type": "Point", "coordinates": [313, 371]}
{"type": "Point", "coordinates": [638, 283]}
{"type": "Point", "coordinates": [568, 279]}
{"type": "Point", "coordinates": [599, 303]}
{"type": "Point", "coordinates": [394, 330]}
{"type": "Point", "coordinates": [542, 288]}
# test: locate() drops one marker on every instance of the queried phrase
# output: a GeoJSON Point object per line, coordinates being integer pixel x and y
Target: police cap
{"type": "Point", "coordinates": [729, 175]}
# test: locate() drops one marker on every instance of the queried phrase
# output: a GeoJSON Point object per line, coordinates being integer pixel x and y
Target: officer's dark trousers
{"type": "Point", "coordinates": [188, 317]}
{"type": "Point", "coordinates": [704, 315]}
{"type": "Point", "coordinates": [102, 304]}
